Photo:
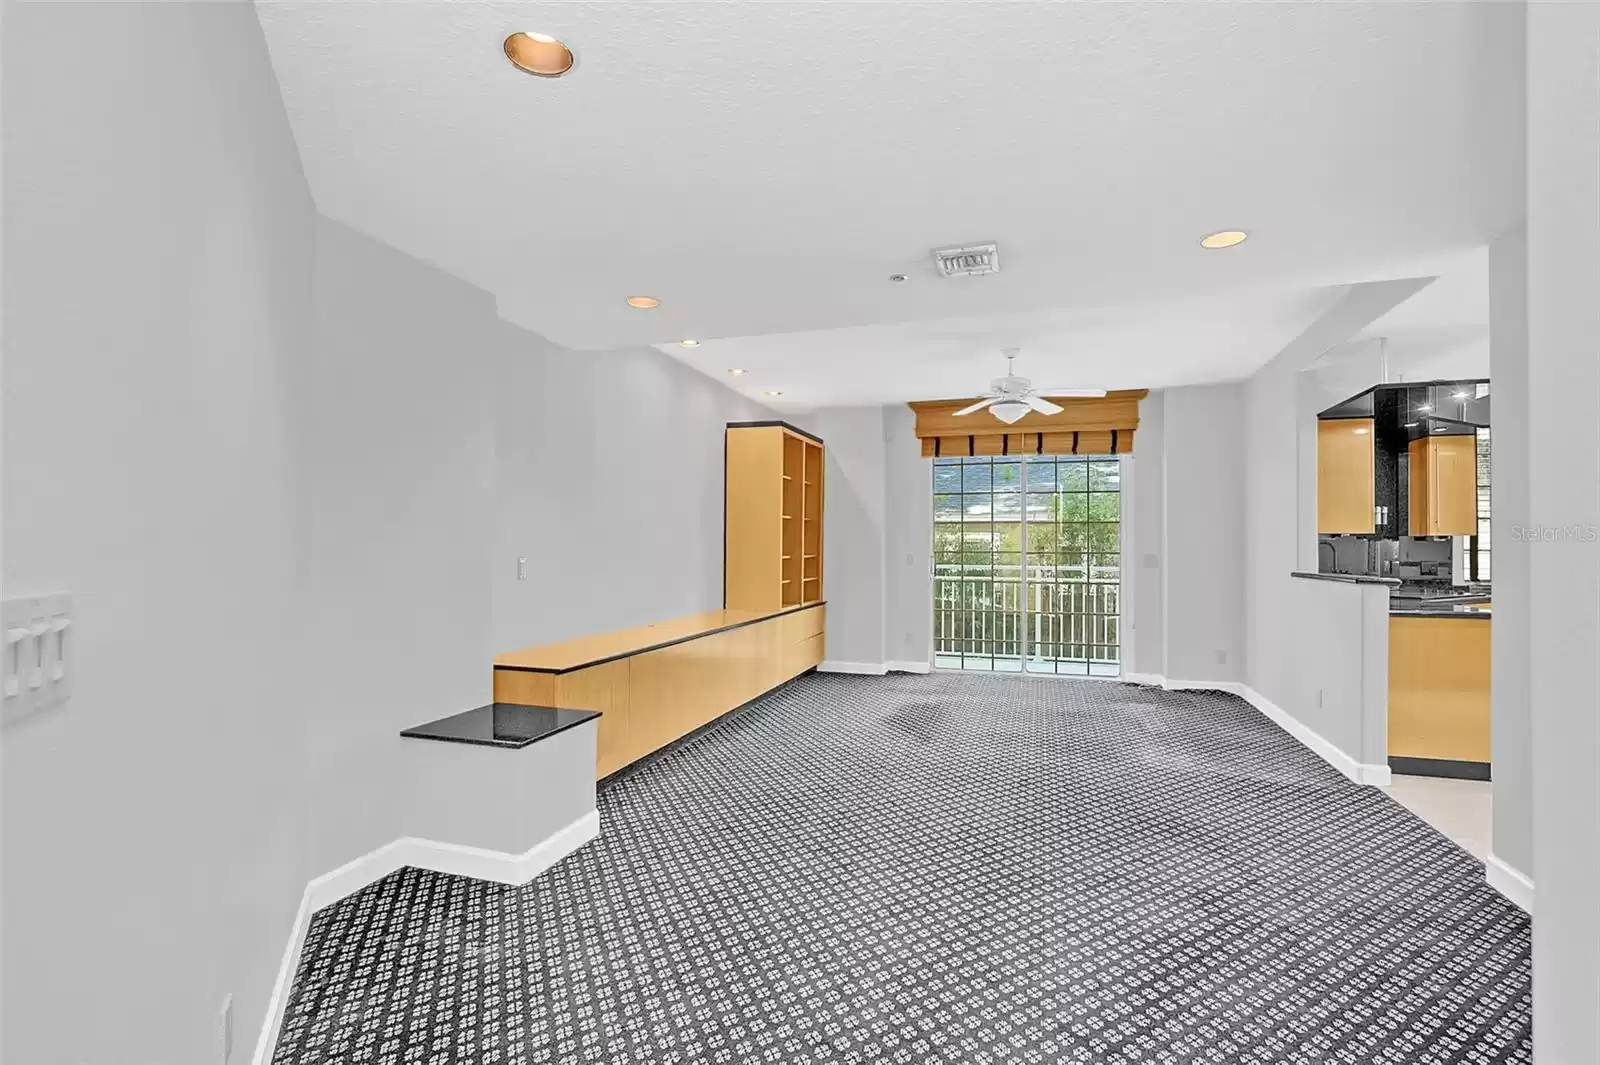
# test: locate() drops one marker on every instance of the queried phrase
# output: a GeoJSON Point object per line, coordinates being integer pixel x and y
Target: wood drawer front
{"type": "Point", "coordinates": [811, 652]}
{"type": "Point", "coordinates": [809, 623]}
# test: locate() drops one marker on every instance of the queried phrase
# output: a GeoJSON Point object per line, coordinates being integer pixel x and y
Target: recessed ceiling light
{"type": "Point", "coordinates": [1225, 239]}
{"type": "Point", "coordinates": [644, 303]}
{"type": "Point", "coordinates": [897, 278]}
{"type": "Point", "coordinates": [773, 392]}
{"type": "Point", "coordinates": [538, 53]}
{"type": "Point", "coordinates": [738, 373]}
{"type": "Point", "coordinates": [689, 343]}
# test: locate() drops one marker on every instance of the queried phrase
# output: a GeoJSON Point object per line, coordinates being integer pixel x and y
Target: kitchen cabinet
{"type": "Point", "coordinates": [1345, 486]}
{"type": "Point", "coordinates": [1443, 496]}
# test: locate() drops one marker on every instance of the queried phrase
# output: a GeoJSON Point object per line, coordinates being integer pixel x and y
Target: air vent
{"type": "Point", "coordinates": [968, 261]}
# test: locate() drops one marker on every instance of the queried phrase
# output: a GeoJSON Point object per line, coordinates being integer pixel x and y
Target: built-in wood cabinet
{"type": "Point", "coordinates": [657, 683]}
{"type": "Point", "coordinates": [1345, 477]}
{"type": "Point", "coordinates": [773, 533]}
{"type": "Point", "coordinates": [1439, 689]}
{"type": "Point", "coordinates": [1443, 496]}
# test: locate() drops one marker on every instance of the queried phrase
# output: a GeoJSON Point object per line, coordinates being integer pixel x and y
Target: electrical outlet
{"type": "Point", "coordinates": [522, 568]}
{"type": "Point", "coordinates": [225, 1030]}
{"type": "Point", "coordinates": [1222, 658]}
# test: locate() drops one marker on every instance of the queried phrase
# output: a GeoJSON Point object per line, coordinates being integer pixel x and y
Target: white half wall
{"type": "Point", "coordinates": [1510, 730]}
{"type": "Point", "coordinates": [1563, 523]}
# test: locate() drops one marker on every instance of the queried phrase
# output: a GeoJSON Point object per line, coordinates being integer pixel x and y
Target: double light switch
{"type": "Point", "coordinates": [37, 669]}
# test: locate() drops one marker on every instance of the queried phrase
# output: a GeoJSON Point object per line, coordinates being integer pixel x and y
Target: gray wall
{"type": "Point", "coordinates": [855, 550]}
{"type": "Point", "coordinates": [1280, 483]}
{"type": "Point", "coordinates": [1510, 722]}
{"type": "Point", "coordinates": [1145, 567]}
{"type": "Point", "coordinates": [285, 471]}
{"type": "Point", "coordinates": [908, 541]}
{"type": "Point", "coordinates": [1564, 493]}
{"type": "Point", "coordinates": [1202, 532]}
{"type": "Point", "coordinates": [610, 475]}
{"type": "Point", "coordinates": [395, 441]}
{"type": "Point", "coordinates": [156, 299]}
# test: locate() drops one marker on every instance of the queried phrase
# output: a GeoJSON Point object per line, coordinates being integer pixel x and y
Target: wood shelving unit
{"type": "Point", "coordinates": [774, 503]}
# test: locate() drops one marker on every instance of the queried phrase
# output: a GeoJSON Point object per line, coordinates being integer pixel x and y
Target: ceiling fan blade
{"type": "Point", "coordinates": [1044, 406]}
{"type": "Point", "coordinates": [982, 403]}
{"type": "Point", "coordinates": [1072, 393]}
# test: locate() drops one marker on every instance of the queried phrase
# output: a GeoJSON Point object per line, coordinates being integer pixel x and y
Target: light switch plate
{"type": "Point", "coordinates": [38, 658]}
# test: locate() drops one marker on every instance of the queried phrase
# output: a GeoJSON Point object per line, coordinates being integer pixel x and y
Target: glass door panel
{"type": "Point", "coordinates": [1027, 564]}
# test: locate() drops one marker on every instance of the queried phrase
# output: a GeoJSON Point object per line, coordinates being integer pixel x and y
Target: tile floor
{"type": "Point", "coordinates": [1461, 810]}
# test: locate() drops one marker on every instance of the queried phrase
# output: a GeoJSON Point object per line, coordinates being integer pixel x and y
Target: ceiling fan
{"type": "Point", "coordinates": [1011, 397]}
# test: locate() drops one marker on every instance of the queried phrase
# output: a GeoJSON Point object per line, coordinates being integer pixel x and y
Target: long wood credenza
{"type": "Point", "coordinates": [656, 683]}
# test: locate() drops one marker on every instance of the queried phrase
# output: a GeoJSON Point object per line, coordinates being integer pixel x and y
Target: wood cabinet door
{"type": "Point", "coordinates": [1419, 506]}
{"type": "Point", "coordinates": [1346, 491]}
{"type": "Point", "coordinates": [1453, 485]}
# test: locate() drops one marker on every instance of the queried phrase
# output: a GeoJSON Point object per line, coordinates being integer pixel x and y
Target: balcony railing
{"type": "Point", "coordinates": [1068, 625]}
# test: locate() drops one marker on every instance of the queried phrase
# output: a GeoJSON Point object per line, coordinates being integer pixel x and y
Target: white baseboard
{"type": "Point", "coordinates": [1510, 882]}
{"type": "Point", "coordinates": [873, 669]}
{"type": "Point", "coordinates": [1361, 773]}
{"type": "Point", "coordinates": [870, 669]}
{"type": "Point", "coordinates": [1232, 687]}
{"type": "Point", "coordinates": [429, 854]}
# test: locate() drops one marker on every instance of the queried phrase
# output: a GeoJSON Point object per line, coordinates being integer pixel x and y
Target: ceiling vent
{"type": "Point", "coordinates": [968, 261]}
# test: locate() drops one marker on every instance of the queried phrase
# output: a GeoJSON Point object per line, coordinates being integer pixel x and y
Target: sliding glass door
{"type": "Point", "coordinates": [1028, 564]}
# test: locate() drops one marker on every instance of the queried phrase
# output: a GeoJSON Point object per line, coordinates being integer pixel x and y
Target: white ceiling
{"type": "Point", "coordinates": [763, 167]}
{"type": "Point", "coordinates": [1221, 337]}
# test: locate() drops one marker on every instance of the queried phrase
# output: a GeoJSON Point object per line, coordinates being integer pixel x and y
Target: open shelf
{"type": "Point", "coordinates": [773, 517]}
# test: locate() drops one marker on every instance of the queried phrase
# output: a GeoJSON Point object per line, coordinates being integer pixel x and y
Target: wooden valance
{"type": "Point", "coordinates": [1103, 426]}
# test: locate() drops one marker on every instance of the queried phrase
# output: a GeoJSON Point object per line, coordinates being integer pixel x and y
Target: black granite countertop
{"type": "Point", "coordinates": [1425, 609]}
{"type": "Point", "coordinates": [508, 725]}
{"type": "Point", "coordinates": [1344, 578]}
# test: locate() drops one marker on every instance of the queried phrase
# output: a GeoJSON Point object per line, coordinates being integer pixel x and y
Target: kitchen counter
{"type": "Point", "coordinates": [1439, 690]}
{"type": "Point", "coordinates": [1423, 608]}
{"type": "Point", "coordinates": [1344, 578]}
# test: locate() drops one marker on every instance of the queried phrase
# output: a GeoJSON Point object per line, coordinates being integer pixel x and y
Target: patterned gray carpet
{"type": "Point", "coordinates": [951, 869]}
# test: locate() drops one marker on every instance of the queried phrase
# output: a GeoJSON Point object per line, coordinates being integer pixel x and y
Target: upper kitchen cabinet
{"type": "Point", "coordinates": [1443, 495]}
{"type": "Point", "coordinates": [1345, 478]}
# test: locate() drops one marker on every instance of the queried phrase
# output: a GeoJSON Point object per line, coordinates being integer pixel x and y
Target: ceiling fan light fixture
{"type": "Point", "coordinates": [1010, 411]}
{"type": "Point", "coordinates": [538, 54]}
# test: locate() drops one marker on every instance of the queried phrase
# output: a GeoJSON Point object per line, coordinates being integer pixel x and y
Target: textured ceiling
{"type": "Point", "coordinates": [763, 167]}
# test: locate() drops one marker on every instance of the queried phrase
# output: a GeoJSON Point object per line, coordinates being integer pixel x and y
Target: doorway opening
{"type": "Point", "coordinates": [1027, 557]}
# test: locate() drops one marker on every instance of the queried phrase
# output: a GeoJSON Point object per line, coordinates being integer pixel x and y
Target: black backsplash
{"type": "Point", "coordinates": [1390, 441]}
